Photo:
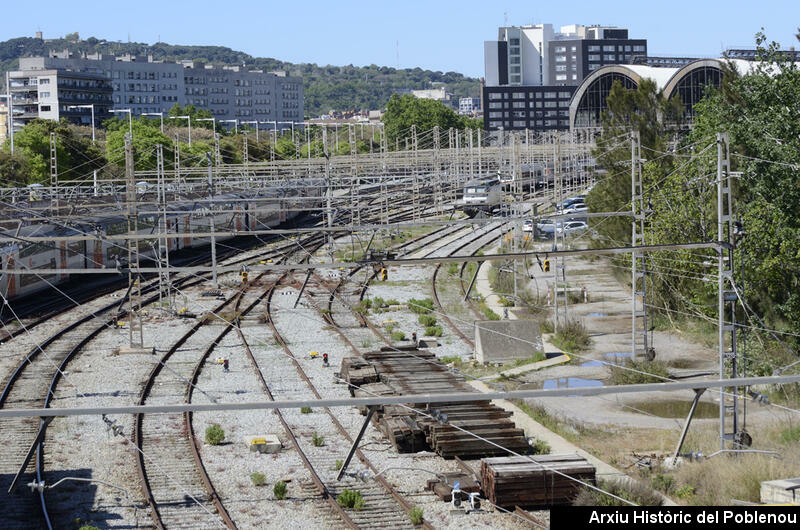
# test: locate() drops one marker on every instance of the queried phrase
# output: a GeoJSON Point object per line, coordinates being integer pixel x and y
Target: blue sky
{"type": "Point", "coordinates": [445, 36]}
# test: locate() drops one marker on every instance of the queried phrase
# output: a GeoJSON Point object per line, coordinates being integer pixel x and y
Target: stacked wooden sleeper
{"type": "Point", "coordinates": [517, 481]}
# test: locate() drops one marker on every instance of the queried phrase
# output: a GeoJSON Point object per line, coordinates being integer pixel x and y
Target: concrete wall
{"type": "Point", "coordinates": [500, 341]}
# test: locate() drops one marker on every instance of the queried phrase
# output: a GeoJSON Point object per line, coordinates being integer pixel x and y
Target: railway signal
{"type": "Point", "coordinates": [384, 274]}
{"type": "Point", "coordinates": [546, 265]}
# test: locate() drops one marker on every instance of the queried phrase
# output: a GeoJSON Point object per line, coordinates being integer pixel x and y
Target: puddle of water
{"type": "Point", "coordinates": [592, 364]}
{"type": "Point", "coordinates": [570, 382]}
{"type": "Point", "coordinates": [597, 314]}
{"type": "Point", "coordinates": [676, 409]}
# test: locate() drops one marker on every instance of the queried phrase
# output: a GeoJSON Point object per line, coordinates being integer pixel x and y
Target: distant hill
{"type": "Point", "coordinates": [326, 87]}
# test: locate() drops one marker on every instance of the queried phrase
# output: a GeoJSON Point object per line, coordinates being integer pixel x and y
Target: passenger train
{"type": "Point", "coordinates": [236, 212]}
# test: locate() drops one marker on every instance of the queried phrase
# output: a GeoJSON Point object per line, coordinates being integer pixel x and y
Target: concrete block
{"type": "Point", "coordinates": [427, 342]}
{"type": "Point", "coordinates": [502, 341]}
{"type": "Point", "coordinates": [264, 443]}
{"type": "Point", "coordinates": [781, 491]}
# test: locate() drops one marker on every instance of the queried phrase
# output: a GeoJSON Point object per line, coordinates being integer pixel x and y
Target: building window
{"type": "Point", "coordinates": [518, 95]}
{"type": "Point", "coordinates": [514, 60]}
{"type": "Point", "coordinates": [594, 57]}
{"type": "Point", "coordinates": [550, 104]}
{"type": "Point", "coordinates": [564, 95]}
{"type": "Point", "coordinates": [610, 57]}
{"type": "Point", "coordinates": [594, 66]}
{"type": "Point", "coordinates": [45, 108]}
{"type": "Point", "coordinates": [514, 50]}
{"type": "Point", "coordinates": [574, 77]}
{"type": "Point", "coordinates": [514, 42]}
{"type": "Point", "coordinates": [549, 94]}
{"type": "Point", "coordinates": [518, 105]}
{"type": "Point", "coordinates": [627, 48]}
{"type": "Point", "coordinates": [495, 95]}
{"type": "Point", "coordinates": [496, 105]}
{"type": "Point", "coordinates": [561, 77]}
{"type": "Point", "coordinates": [561, 68]}
{"type": "Point", "coordinates": [638, 48]}
{"type": "Point", "coordinates": [561, 49]}
{"type": "Point", "coordinates": [519, 123]}
{"type": "Point", "coordinates": [594, 48]}
{"type": "Point", "coordinates": [44, 81]}
{"type": "Point", "coordinates": [609, 48]}
{"type": "Point", "coordinates": [573, 49]}
{"type": "Point", "coordinates": [495, 114]}
{"type": "Point", "coordinates": [515, 69]}
{"type": "Point", "coordinates": [561, 58]}
{"type": "Point", "coordinates": [44, 94]}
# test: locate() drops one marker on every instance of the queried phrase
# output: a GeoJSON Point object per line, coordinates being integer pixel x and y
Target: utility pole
{"type": "Point", "coordinates": [638, 266]}
{"type": "Point", "coordinates": [245, 155]}
{"type": "Point", "coordinates": [163, 249]}
{"type": "Point", "coordinates": [354, 182]}
{"type": "Point", "coordinates": [177, 152]}
{"type": "Point", "coordinates": [134, 285]}
{"type": "Point", "coordinates": [416, 170]}
{"type": "Point", "coordinates": [437, 178]}
{"type": "Point", "coordinates": [328, 193]}
{"type": "Point", "coordinates": [727, 300]}
{"type": "Point", "coordinates": [53, 174]}
{"type": "Point", "coordinates": [212, 223]}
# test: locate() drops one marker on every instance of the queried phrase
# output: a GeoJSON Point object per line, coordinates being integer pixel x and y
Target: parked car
{"type": "Point", "coordinates": [572, 227]}
{"type": "Point", "coordinates": [577, 207]}
{"type": "Point", "coordinates": [527, 226]}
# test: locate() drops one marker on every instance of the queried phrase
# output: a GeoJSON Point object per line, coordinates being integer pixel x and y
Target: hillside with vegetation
{"type": "Point", "coordinates": [326, 87]}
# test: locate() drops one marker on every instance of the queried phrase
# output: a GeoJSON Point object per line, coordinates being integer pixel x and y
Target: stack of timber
{"type": "Point", "coordinates": [516, 481]}
{"type": "Point", "coordinates": [387, 372]}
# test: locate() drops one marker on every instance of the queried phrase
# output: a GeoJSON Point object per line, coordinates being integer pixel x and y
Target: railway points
{"type": "Point", "coordinates": [340, 251]}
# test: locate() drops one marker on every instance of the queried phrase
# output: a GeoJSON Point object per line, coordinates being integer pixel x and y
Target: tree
{"type": "Point", "coordinates": [146, 135]}
{"type": "Point", "coordinates": [645, 111]}
{"type": "Point", "coordinates": [404, 111]}
{"type": "Point", "coordinates": [75, 155]}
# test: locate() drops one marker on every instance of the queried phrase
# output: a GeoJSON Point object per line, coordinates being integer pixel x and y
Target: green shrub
{"type": "Point", "coordinates": [398, 335]}
{"type": "Point", "coordinates": [665, 483]}
{"type": "Point", "coordinates": [540, 447]}
{"type": "Point", "coordinates": [337, 465]}
{"type": "Point", "coordinates": [790, 434]}
{"type": "Point", "coordinates": [392, 301]}
{"type": "Point", "coordinates": [214, 434]}
{"type": "Point", "coordinates": [685, 492]}
{"type": "Point", "coordinates": [317, 440]}
{"type": "Point", "coordinates": [415, 514]}
{"type": "Point", "coordinates": [572, 337]}
{"type": "Point", "coordinates": [433, 331]}
{"type": "Point", "coordinates": [427, 320]}
{"type": "Point", "coordinates": [305, 410]}
{"type": "Point", "coordinates": [421, 307]}
{"type": "Point", "coordinates": [634, 491]}
{"type": "Point", "coordinates": [378, 302]}
{"type": "Point", "coordinates": [349, 498]}
{"type": "Point", "coordinates": [279, 490]}
{"type": "Point", "coordinates": [450, 359]}
{"type": "Point", "coordinates": [389, 326]}
{"type": "Point", "coordinates": [547, 326]}
{"type": "Point", "coordinates": [359, 504]}
{"type": "Point", "coordinates": [258, 478]}
{"type": "Point", "coordinates": [452, 269]}
{"type": "Point", "coordinates": [635, 372]}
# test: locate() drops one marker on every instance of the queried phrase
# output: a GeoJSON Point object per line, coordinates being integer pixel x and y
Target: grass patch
{"type": "Point", "coordinates": [214, 434]}
{"type": "Point", "coordinates": [398, 336]}
{"type": "Point", "coordinates": [420, 307]}
{"type": "Point", "coordinates": [258, 479]}
{"type": "Point", "coordinates": [427, 320]}
{"type": "Point", "coordinates": [571, 337]}
{"type": "Point", "coordinates": [317, 440]}
{"type": "Point", "coordinates": [279, 490]}
{"type": "Point", "coordinates": [351, 499]}
{"type": "Point", "coordinates": [337, 465]}
{"type": "Point", "coordinates": [540, 447]}
{"type": "Point", "coordinates": [433, 331]}
{"type": "Point", "coordinates": [415, 515]}
{"type": "Point", "coordinates": [655, 372]}
{"type": "Point", "coordinates": [305, 410]}
{"type": "Point", "coordinates": [634, 491]}
{"type": "Point", "coordinates": [452, 269]}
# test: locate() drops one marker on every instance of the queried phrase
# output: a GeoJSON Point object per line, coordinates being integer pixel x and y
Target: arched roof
{"type": "Point", "coordinates": [666, 79]}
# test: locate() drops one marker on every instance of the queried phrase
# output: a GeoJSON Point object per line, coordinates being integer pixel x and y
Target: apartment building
{"type": "Point", "coordinates": [536, 61]}
{"type": "Point", "coordinates": [144, 85]}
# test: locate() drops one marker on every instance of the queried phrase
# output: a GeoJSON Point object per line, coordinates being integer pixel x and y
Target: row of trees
{"type": "Point", "coordinates": [760, 112]}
